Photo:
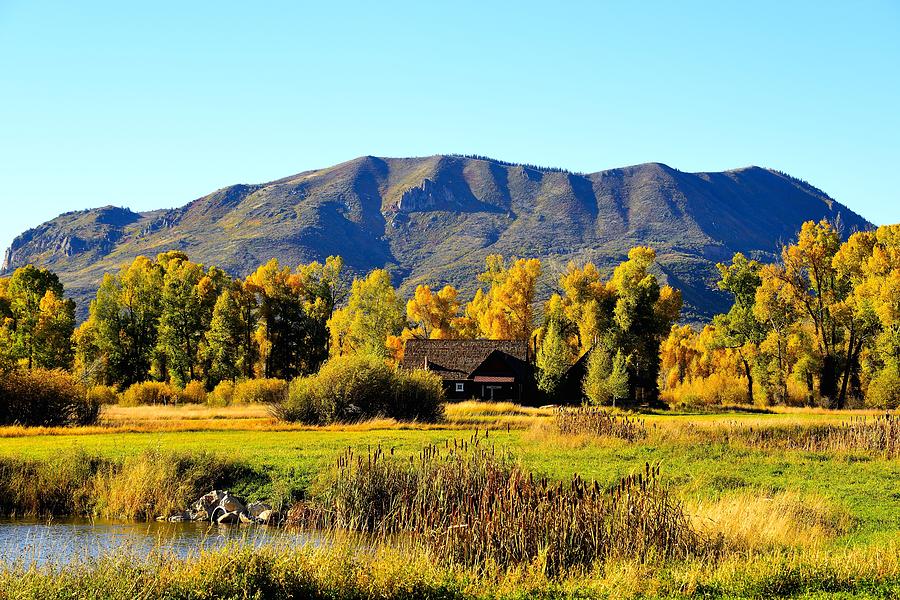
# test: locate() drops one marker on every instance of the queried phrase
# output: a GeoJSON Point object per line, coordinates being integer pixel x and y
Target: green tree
{"type": "Point", "coordinates": [739, 329]}
{"type": "Point", "coordinates": [230, 347]}
{"type": "Point", "coordinates": [643, 315]}
{"type": "Point", "coordinates": [374, 312]}
{"type": "Point", "coordinates": [599, 367]}
{"type": "Point", "coordinates": [53, 336]}
{"type": "Point", "coordinates": [181, 323]}
{"type": "Point", "coordinates": [125, 318]}
{"type": "Point", "coordinates": [554, 357]}
{"type": "Point", "coordinates": [26, 289]}
{"type": "Point", "coordinates": [617, 383]}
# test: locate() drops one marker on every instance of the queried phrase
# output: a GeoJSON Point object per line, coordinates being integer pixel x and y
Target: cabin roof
{"type": "Point", "coordinates": [458, 359]}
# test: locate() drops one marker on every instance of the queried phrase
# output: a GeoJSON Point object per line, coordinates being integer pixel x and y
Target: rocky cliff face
{"type": "Point", "coordinates": [434, 219]}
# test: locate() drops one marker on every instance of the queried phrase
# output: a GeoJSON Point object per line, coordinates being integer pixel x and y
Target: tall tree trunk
{"type": "Point", "coordinates": [828, 380]}
{"type": "Point", "coordinates": [749, 373]}
{"type": "Point", "coordinates": [848, 366]}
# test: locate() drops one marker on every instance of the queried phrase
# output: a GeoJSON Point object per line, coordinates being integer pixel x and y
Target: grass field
{"type": "Point", "coordinates": [824, 504]}
{"type": "Point", "coordinates": [866, 487]}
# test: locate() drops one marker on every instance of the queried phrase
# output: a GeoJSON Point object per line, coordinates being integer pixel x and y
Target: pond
{"type": "Point", "coordinates": [60, 541]}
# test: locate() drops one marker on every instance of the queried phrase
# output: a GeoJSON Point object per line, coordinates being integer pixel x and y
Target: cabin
{"type": "Point", "coordinates": [494, 370]}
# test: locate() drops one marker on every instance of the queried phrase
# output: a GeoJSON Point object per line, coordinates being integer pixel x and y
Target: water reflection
{"type": "Point", "coordinates": [32, 542]}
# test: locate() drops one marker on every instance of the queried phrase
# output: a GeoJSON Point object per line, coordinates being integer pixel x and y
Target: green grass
{"type": "Point", "coordinates": [868, 488]}
{"type": "Point", "coordinates": [858, 562]}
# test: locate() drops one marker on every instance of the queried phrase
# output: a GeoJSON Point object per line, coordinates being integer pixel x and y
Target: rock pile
{"type": "Point", "coordinates": [219, 506]}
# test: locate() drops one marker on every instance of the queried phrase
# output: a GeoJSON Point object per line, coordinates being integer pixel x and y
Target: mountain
{"type": "Point", "coordinates": [434, 219]}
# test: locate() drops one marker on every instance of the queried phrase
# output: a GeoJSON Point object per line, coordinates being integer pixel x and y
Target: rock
{"type": "Point", "coordinates": [232, 504]}
{"type": "Point", "coordinates": [199, 515]}
{"type": "Point", "coordinates": [178, 519]}
{"type": "Point", "coordinates": [228, 518]}
{"type": "Point", "coordinates": [209, 501]}
{"type": "Point", "coordinates": [267, 516]}
{"type": "Point", "coordinates": [257, 508]}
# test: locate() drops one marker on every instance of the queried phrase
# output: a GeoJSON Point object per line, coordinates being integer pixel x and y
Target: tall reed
{"type": "Point", "coordinates": [589, 420]}
{"type": "Point", "coordinates": [879, 435]}
{"type": "Point", "coordinates": [472, 505]}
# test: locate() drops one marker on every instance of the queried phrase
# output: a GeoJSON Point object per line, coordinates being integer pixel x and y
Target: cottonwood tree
{"type": "Point", "coordinates": [41, 322]}
{"type": "Point", "coordinates": [739, 329]}
{"type": "Point", "coordinates": [504, 309]}
{"type": "Point", "coordinates": [434, 315]}
{"type": "Point", "coordinates": [374, 313]}
{"type": "Point", "coordinates": [554, 357]}
{"type": "Point", "coordinates": [123, 325]}
{"type": "Point", "coordinates": [188, 299]}
{"type": "Point", "coordinates": [230, 350]}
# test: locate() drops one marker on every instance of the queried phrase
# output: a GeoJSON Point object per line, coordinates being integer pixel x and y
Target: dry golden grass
{"type": "Point", "coordinates": [750, 521]}
{"type": "Point", "coordinates": [665, 427]}
{"type": "Point", "coordinates": [256, 417]}
{"type": "Point", "coordinates": [116, 415]}
{"type": "Point", "coordinates": [494, 415]}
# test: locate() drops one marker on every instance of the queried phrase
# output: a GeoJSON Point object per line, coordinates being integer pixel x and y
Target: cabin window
{"type": "Point", "coordinates": [460, 387]}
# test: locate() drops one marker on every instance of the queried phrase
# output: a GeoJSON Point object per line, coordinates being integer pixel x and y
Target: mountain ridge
{"type": "Point", "coordinates": [434, 219]}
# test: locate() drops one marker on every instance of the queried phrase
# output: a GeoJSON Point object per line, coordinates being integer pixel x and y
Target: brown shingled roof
{"type": "Point", "coordinates": [456, 359]}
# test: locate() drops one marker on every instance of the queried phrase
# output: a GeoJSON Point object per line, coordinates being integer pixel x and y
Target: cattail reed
{"type": "Point", "coordinates": [879, 435]}
{"type": "Point", "coordinates": [470, 504]}
{"type": "Point", "coordinates": [598, 422]}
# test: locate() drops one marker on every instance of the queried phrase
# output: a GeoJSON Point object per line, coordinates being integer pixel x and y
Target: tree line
{"type": "Point", "coordinates": [173, 320]}
{"type": "Point", "coordinates": [819, 326]}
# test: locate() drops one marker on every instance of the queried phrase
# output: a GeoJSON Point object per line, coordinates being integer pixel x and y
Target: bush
{"type": "Point", "coordinates": [45, 398]}
{"type": "Point", "coordinates": [149, 392]}
{"type": "Point", "coordinates": [419, 396]}
{"type": "Point", "coordinates": [193, 393]}
{"type": "Point", "coordinates": [353, 388]}
{"type": "Point", "coordinates": [260, 391]}
{"type": "Point", "coordinates": [884, 389]}
{"type": "Point", "coordinates": [222, 394]}
{"type": "Point", "coordinates": [103, 394]}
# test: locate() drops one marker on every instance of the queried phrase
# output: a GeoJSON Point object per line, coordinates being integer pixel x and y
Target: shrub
{"type": "Point", "coordinates": [45, 398]}
{"type": "Point", "coordinates": [103, 394]}
{"type": "Point", "coordinates": [352, 388]}
{"type": "Point", "coordinates": [149, 392]}
{"type": "Point", "coordinates": [222, 394]}
{"type": "Point", "coordinates": [419, 396]}
{"type": "Point", "coordinates": [260, 391]}
{"type": "Point", "coordinates": [193, 393]}
{"type": "Point", "coordinates": [884, 390]}
{"type": "Point", "coordinates": [144, 486]}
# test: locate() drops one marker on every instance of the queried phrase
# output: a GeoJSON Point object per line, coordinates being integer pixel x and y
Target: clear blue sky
{"type": "Point", "coordinates": [152, 105]}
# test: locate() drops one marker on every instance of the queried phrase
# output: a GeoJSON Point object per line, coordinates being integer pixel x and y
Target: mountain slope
{"type": "Point", "coordinates": [434, 219]}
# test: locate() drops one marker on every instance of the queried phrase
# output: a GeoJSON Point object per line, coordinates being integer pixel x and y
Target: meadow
{"type": "Point", "coordinates": [794, 519]}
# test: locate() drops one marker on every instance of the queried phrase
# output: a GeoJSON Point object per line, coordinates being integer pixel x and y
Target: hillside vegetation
{"type": "Point", "coordinates": [436, 219]}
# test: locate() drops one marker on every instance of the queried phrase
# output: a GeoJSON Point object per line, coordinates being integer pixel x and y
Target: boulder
{"type": "Point", "coordinates": [257, 508]}
{"type": "Point", "coordinates": [232, 503]}
{"type": "Point", "coordinates": [200, 515]}
{"type": "Point", "coordinates": [267, 516]}
{"type": "Point", "coordinates": [228, 518]}
{"type": "Point", "coordinates": [209, 501]}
